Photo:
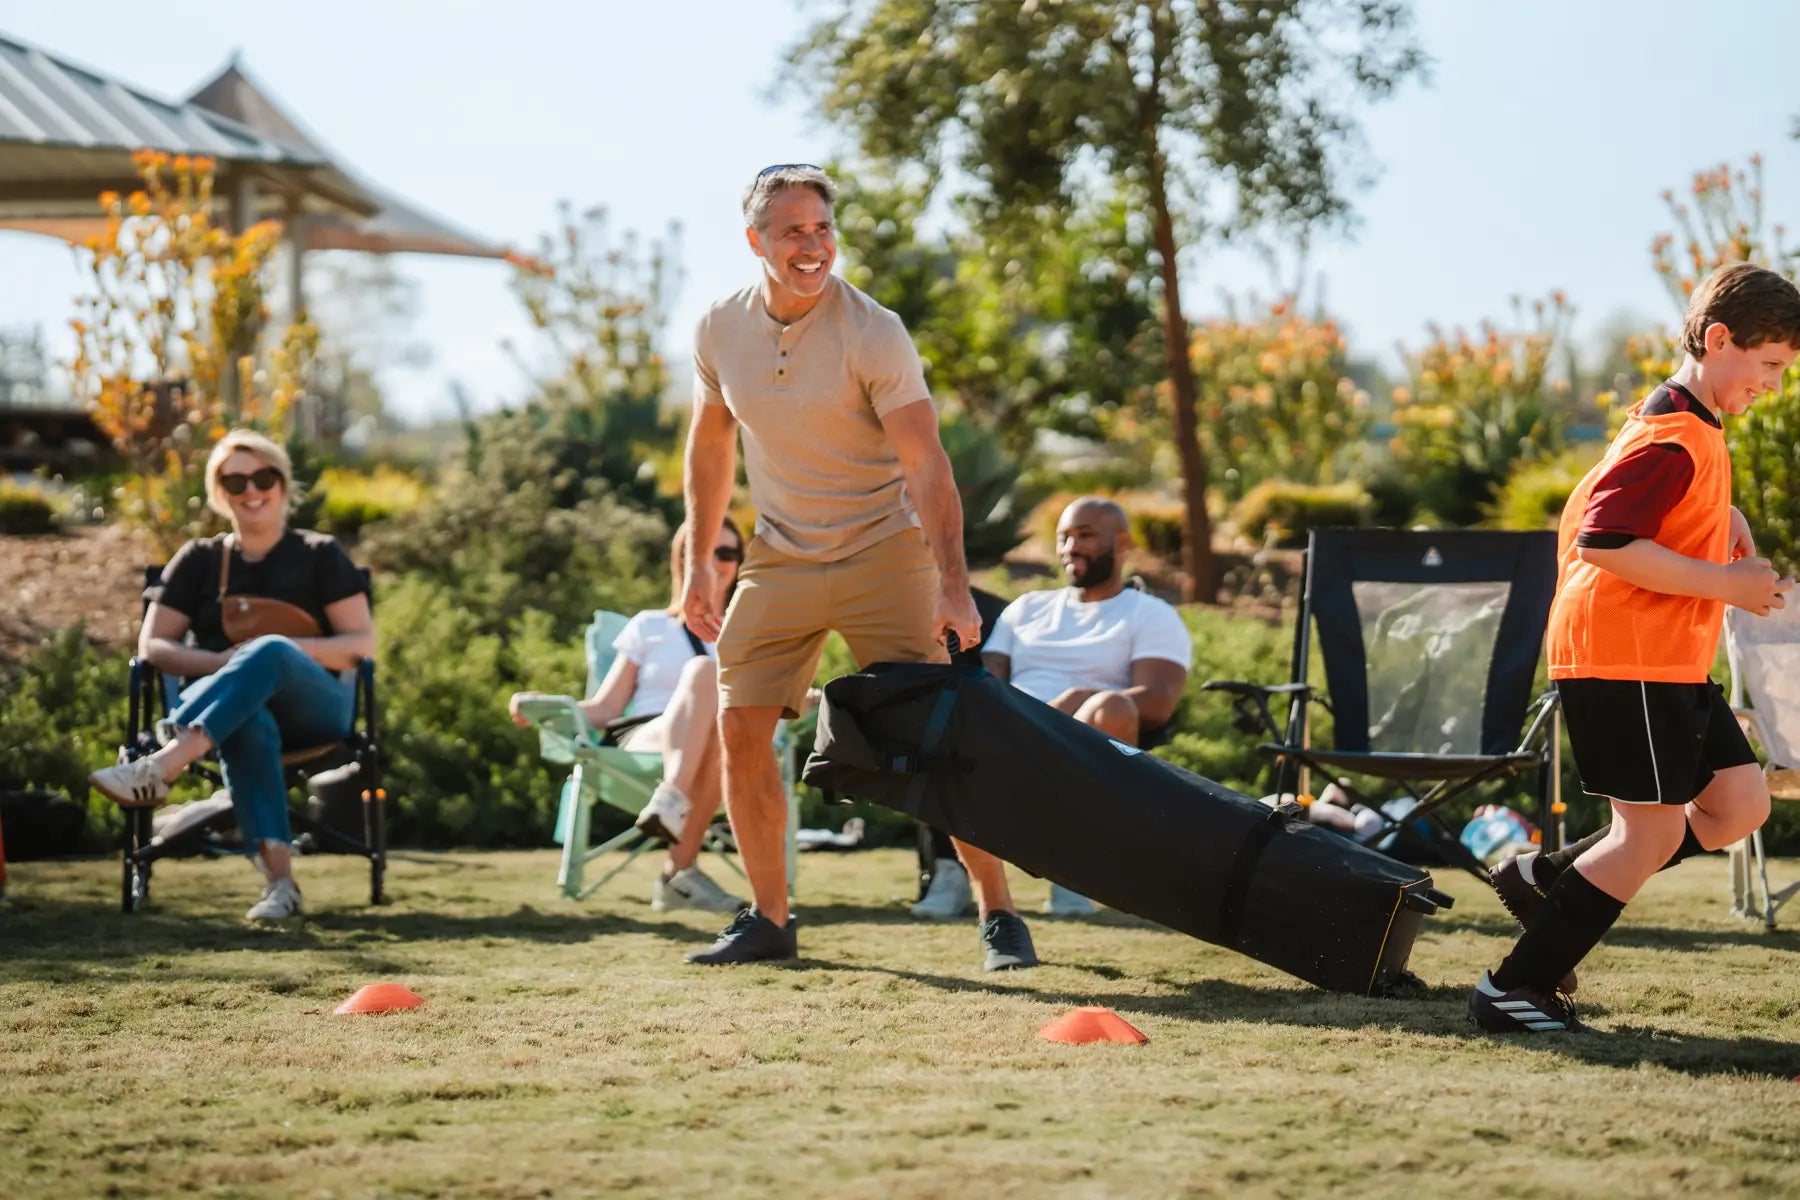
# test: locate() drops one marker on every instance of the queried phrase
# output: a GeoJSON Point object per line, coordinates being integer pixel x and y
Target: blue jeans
{"type": "Point", "coordinates": [269, 695]}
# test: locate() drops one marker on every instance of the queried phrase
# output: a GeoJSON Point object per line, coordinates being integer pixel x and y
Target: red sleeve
{"type": "Point", "coordinates": [1631, 499]}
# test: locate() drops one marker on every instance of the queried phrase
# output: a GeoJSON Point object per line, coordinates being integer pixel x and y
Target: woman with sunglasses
{"type": "Point", "coordinates": [661, 696]}
{"type": "Point", "coordinates": [251, 697]}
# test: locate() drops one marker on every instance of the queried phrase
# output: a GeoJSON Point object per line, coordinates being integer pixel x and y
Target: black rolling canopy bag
{"type": "Point", "coordinates": [970, 754]}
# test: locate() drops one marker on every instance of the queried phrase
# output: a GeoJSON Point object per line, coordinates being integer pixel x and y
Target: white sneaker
{"type": "Point", "coordinates": [665, 816]}
{"type": "Point", "coordinates": [1065, 903]}
{"type": "Point", "coordinates": [280, 900]}
{"type": "Point", "coordinates": [135, 784]}
{"type": "Point", "coordinates": [691, 887]}
{"type": "Point", "coordinates": [948, 896]}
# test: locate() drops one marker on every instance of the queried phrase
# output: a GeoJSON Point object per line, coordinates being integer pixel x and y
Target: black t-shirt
{"type": "Point", "coordinates": [304, 568]}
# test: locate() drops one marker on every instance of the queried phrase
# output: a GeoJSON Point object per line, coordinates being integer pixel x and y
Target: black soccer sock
{"type": "Point", "coordinates": [1575, 916]}
{"type": "Point", "coordinates": [1561, 860]}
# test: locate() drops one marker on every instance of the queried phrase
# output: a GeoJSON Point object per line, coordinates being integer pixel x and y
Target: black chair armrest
{"type": "Point", "coordinates": [1239, 688]}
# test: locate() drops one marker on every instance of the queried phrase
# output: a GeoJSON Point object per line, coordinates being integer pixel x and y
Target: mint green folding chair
{"type": "Point", "coordinates": [621, 779]}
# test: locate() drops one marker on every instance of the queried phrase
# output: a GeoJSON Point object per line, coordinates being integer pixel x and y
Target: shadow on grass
{"type": "Point", "coordinates": [1438, 1011]}
{"type": "Point", "coordinates": [1660, 937]}
{"type": "Point", "coordinates": [62, 940]}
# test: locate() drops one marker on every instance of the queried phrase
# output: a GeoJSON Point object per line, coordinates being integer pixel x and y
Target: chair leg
{"type": "Point", "coordinates": [134, 869]}
{"type": "Point", "coordinates": [575, 843]}
{"type": "Point", "coordinates": [1769, 904]}
{"type": "Point", "coordinates": [375, 832]}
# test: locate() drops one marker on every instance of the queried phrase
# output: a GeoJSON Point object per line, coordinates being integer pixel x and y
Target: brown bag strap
{"type": "Point", "coordinates": [224, 567]}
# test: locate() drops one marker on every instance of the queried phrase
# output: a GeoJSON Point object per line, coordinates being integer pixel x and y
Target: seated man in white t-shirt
{"type": "Point", "coordinates": [1107, 654]}
{"type": "Point", "coordinates": [661, 696]}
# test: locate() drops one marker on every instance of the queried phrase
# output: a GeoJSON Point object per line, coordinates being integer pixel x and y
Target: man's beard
{"type": "Point", "coordinates": [1092, 572]}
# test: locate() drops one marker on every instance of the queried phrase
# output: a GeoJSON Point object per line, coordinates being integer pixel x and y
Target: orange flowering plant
{"type": "Point", "coordinates": [1274, 400]}
{"type": "Point", "coordinates": [169, 331]}
{"type": "Point", "coordinates": [1477, 405]}
{"type": "Point", "coordinates": [1724, 223]}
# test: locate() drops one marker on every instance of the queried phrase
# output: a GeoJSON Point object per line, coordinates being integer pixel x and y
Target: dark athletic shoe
{"type": "Point", "coordinates": [1523, 884]}
{"type": "Point", "coordinates": [1007, 942]}
{"type": "Point", "coordinates": [751, 937]}
{"type": "Point", "coordinates": [1523, 1009]}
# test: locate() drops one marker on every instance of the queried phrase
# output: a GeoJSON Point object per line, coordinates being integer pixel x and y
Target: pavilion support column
{"type": "Point", "coordinates": [309, 418]}
{"type": "Point", "coordinates": [242, 216]}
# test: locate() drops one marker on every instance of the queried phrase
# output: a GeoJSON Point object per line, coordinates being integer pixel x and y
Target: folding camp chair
{"type": "Point", "coordinates": [619, 778]}
{"type": "Point", "coordinates": [1764, 653]}
{"type": "Point", "coordinates": [1430, 641]}
{"type": "Point", "coordinates": [153, 695]}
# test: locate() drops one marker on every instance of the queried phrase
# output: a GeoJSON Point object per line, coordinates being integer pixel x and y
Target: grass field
{"type": "Point", "coordinates": [565, 1050]}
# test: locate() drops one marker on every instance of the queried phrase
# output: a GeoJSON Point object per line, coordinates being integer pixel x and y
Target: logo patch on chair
{"type": "Point", "coordinates": [1432, 558]}
{"type": "Point", "coordinates": [1122, 748]}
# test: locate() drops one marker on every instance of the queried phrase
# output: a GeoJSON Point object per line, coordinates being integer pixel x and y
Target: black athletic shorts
{"type": "Point", "coordinates": [1650, 743]}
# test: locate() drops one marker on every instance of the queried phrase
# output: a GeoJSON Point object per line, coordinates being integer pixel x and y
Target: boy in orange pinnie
{"type": "Point", "coordinates": [1651, 551]}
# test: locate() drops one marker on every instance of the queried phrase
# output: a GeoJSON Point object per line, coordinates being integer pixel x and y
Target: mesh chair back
{"type": "Point", "coordinates": [1431, 639]}
{"type": "Point", "coordinates": [1765, 667]}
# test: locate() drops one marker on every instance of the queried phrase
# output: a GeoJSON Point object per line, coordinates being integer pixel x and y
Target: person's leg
{"type": "Point", "coordinates": [1734, 805]}
{"type": "Point", "coordinates": [705, 793]}
{"type": "Point", "coordinates": [691, 758]}
{"type": "Point", "coordinates": [251, 758]}
{"type": "Point", "coordinates": [884, 603]}
{"type": "Point", "coordinates": [768, 651]}
{"type": "Point", "coordinates": [1113, 713]}
{"type": "Point", "coordinates": [755, 804]}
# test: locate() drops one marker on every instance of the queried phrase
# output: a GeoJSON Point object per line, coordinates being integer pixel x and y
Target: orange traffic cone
{"type": "Point", "coordinates": [379, 998]}
{"type": "Point", "coordinates": [1092, 1023]}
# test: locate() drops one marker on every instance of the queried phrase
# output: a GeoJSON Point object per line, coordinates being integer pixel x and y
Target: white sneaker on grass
{"type": "Point", "coordinates": [691, 887]}
{"type": "Point", "coordinates": [948, 896]}
{"type": "Point", "coordinates": [665, 816]}
{"type": "Point", "coordinates": [280, 900]}
{"type": "Point", "coordinates": [1066, 903]}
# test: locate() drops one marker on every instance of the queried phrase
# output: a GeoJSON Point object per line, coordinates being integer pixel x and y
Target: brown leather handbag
{"type": "Point", "coordinates": [246, 617]}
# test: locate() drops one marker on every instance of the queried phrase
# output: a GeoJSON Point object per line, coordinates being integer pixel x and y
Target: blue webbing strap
{"type": "Point", "coordinates": [935, 727]}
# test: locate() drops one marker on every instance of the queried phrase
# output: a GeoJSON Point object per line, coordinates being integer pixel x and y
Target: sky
{"type": "Point", "coordinates": [1533, 159]}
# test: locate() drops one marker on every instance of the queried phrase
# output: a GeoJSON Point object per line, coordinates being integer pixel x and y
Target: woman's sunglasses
{"type": "Point", "coordinates": [730, 554]}
{"type": "Point", "coordinates": [264, 481]}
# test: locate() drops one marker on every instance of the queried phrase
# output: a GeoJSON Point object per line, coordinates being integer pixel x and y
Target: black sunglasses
{"type": "Point", "coordinates": [788, 167]}
{"type": "Point", "coordinates": [728, 554]}
{"type": "Point", "coordinates": [265, 481]}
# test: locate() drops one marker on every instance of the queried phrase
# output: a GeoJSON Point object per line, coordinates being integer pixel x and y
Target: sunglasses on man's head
{"type": "Point", "coordinates": [728, 554]}
{"type": "Point", "coordinates": [788, 167]}
{"type": "Point", "coordinates": [264, 480]}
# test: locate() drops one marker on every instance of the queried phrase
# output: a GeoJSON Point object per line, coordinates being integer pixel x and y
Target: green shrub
{"type": "Point", "coordinates": [994, 500]}
{"type": "Point", "coordinates": [1766, 475]}
{"type": "Point", "coordinates": [25, 510]}
{"type": "Point", "coordinates": [62, 715]}
{"type": "Point", "coordinates": [1294, 508]}
{"type": "Point", "coordinates": [1533, 496]}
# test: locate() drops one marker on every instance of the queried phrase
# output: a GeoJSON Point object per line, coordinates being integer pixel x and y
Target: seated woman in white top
{"type": "Point", "coordinates": [665, 673]}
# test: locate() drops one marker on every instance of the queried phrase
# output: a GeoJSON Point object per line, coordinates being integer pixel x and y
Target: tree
{"type": "Point", "coordinates": [601, 306]}
{"type": "Point", "coordinates": [168, 337]}
{"type": "Point", "coordinates": [1202, 114]}
{"type": "Point", "coordinates": [1019, 334]}
{"type": "Point", "coordinates": [1726, 224]}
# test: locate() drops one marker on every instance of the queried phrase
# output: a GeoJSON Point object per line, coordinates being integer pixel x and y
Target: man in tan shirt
{"type": "Point", "coordinates": [859, 527]}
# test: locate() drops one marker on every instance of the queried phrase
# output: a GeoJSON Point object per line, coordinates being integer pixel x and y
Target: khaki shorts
{"type": "Point", "coordinates": [883, 600]}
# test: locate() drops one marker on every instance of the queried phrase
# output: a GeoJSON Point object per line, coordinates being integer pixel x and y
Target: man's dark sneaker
{"type": "Point", "coordinates": [1523, 1009]}
{"type": "Point", "coordinates": [1523, 884]}
{"type": "Point", "coordinates": [751, 937]}
{"type": "Point", "coordinates": [1007, 942]}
